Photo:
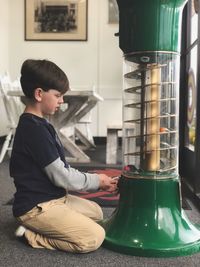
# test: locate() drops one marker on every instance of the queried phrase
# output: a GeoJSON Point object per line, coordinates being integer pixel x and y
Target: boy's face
{"type": "Point", "coordinates": [50, 101]}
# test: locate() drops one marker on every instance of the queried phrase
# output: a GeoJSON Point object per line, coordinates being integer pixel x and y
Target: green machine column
{"type": "Point", "coordinates": [149, 220]}
{"type": "Point", "coordinates": [150, 25]}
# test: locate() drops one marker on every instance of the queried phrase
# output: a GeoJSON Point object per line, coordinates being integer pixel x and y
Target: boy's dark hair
{"type": "Point", "coordinates": [42, 74]}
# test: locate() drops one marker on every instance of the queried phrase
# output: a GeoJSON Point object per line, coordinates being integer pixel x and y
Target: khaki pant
{"type": "Point", "coordinates": [68, 224]}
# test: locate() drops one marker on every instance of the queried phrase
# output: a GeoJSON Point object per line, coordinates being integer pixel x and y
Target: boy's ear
{"type": "Point", "coordinates": [38, 94]}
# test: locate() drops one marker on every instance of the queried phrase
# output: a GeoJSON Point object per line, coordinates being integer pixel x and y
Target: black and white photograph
{"type": "Point", "coordinates": [56, 20]}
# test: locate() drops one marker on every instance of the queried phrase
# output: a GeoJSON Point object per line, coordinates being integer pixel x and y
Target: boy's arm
{"type": "Point", "coordinates": [70, 178]}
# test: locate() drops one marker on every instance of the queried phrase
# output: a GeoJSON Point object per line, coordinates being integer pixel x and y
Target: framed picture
{"type": "Point", "coordinates": [113, 11]}
{"type": "Point", "coordinates": [55, 20]}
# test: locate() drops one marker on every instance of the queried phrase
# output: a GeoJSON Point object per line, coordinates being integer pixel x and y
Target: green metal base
{"type": "Point", "coordinates": [149, 220]}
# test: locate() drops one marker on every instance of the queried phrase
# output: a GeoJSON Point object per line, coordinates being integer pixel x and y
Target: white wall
{"type": "Point", "coordinates": [4, 56]}
{"type": "Point", "coordinates": [96, 62]}
{"type": "Point", "coordinates": [4, 31]}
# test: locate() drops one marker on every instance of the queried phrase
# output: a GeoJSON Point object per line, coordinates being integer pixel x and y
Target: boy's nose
{"type": "Point", "coordinates": [61, 100]}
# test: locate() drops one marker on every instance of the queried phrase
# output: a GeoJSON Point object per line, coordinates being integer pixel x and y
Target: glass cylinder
{"type": "Point", "coordinates": [150, 115]}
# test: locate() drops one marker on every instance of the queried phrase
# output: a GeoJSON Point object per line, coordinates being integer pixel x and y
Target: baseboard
{"type": "Point", "coordinates": [101, 140]}
{"type": "Point", "coordinates": [98, 140]}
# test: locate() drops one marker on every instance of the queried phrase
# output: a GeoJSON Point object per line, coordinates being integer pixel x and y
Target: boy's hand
{"type": "Point", "coordinates": [108, 183]}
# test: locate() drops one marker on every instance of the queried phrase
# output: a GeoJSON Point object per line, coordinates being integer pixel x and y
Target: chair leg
{"type": "Point", "coordinates": [6, 144]}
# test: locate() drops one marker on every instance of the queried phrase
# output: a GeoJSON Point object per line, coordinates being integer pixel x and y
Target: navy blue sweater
{"type": "Point", "coordinates": [36, 145]}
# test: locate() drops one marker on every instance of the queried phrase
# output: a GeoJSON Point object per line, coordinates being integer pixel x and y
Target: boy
{"type": "Point", "coordinates": [49, 216]}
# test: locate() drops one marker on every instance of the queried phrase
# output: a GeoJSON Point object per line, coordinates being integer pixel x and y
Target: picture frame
{"type": "Point", "coordinates": [56, 20]}
{"type": "Point", "coordinates": [113, 12]}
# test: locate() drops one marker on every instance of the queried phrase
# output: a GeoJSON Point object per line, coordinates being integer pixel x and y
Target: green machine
{"type": "Point", "coordinates": [149, 220]}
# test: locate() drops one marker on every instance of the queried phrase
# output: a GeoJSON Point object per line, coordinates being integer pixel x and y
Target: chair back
{"type": "Point", "coordinates": [13, 105]}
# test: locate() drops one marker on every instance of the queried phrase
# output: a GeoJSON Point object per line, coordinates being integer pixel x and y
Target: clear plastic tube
{"type": "Point", "coordinates": [150, 115]}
